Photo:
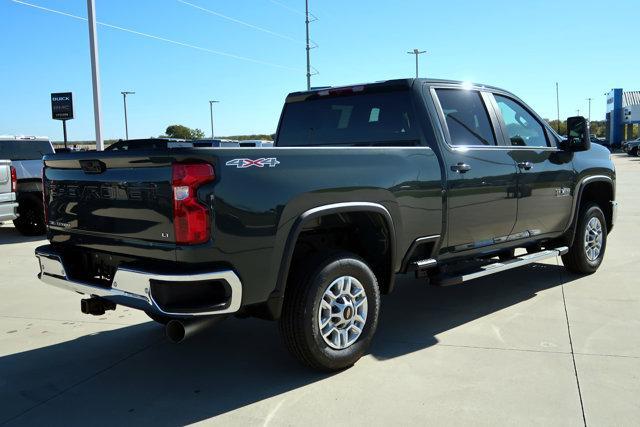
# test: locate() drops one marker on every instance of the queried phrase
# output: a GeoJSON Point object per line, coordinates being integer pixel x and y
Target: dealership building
{"type": "Point", "coordinates": [623, 112]}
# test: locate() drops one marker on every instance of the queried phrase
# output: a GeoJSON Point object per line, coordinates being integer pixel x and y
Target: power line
{"type": "Point", "coordinates": [237, 21]}
{"type": "Point", "coordinates": [289, 8]}
{"type": "Point", "coordinates": [151, 36]}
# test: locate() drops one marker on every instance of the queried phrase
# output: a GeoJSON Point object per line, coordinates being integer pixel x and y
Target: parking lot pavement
{"type": "Point", "coordinates": [530, 346]}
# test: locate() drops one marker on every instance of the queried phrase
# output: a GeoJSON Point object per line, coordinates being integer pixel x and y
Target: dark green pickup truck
{"type": "Point", "coordinates": [436, 178]}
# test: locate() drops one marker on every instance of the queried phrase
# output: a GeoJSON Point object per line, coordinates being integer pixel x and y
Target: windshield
{"type": "Point", "coordinates": [24, 150]}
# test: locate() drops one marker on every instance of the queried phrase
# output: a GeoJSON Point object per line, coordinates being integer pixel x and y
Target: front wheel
{"type": "Point", "coordinates": [330, 312]}
{"type": "Point", "coordinates": [590, 242]}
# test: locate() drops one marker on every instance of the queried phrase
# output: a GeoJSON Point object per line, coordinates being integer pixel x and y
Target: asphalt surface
{"type": "Point", "coordinates": [530, 346]}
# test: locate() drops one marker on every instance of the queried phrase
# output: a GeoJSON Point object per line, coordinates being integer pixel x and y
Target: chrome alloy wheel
{"type": "Point", "coordinates": [343, 312]}
{"type": "Point", "coordinates": [593, 239]}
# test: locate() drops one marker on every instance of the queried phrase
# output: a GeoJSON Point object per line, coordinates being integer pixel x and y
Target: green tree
{"type": "Point", "coordinates": [197, 134]}
{"type": "Point", "coordinates": [183, 132]}
{"type": "Point", "coordinates": [597, 127]}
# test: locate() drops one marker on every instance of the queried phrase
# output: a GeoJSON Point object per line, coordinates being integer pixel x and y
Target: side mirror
{"type": "Point", "coordinates": [578, 136]}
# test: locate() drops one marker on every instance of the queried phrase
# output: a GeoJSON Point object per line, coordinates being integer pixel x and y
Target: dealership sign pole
{"type": "Point", "coordinates": [62, 109]}
{"type": "Point", "coordinates": [95, 72]}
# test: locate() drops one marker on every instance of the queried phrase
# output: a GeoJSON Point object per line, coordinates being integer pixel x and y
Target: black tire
{"type": "Point", "coordinates": [30, 221]}
{"type": "Point", "coordinates": [634, 152]}
{"type": "Point", "coordinates": [576, 259]}
{"type": "Point", "coordinates": [299, 323]}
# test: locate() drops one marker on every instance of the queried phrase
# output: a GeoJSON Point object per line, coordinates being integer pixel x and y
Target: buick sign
{"type": "Point", "coordinates": [62, 106]}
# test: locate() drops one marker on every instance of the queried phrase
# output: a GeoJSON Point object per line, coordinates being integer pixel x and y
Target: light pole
{"type": "Point", "coordinates": [558, 105]}
{"type": "Point", "coordinates": [589, 99]}
{"type": "Point", "coordinates": [578, 112]}
{"type": "Point", "coordinates": [126, 125]}
{"type": "Point", "coordinates": [95, 72]}
{"type": "Point", "coordinates": [416, 52]}
{"type": "Point", "coordinates": [211, 112]}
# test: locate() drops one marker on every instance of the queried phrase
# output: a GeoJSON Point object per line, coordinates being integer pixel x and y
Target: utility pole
{"type": "Point", "coordinates": [306, 22]}
{"type": "Point", "coordinates": [558, 106]}
{"type": "Point", "coordinates": [578, 112]}
{"type": "Point", "coordinates": [416, 52]}
{"type": "Point", "coordinates": [126, 124]}
{"type": "Point", "coordinates": [589, 99]}
{"type": "Point", "coordinates": [211, 112]}
{"type": "Point", "coordinates": [95, 72]}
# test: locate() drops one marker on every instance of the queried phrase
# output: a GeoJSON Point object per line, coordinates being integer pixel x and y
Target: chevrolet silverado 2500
{"type": "Point", "coordinates": [434, 177]}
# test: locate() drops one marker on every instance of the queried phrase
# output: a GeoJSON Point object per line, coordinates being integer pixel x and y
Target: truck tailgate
{"type": "Point", "coordinates": [123, 196]}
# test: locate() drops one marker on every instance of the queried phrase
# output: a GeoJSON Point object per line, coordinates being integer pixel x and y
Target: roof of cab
{"type": "Point", "coordinates": [384, 84]}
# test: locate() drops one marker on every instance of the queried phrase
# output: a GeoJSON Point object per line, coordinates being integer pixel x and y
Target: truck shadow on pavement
{"type": "Point", "coordinates": [133, 375]}
{"type": "Point", "coordinates": [9, 235]}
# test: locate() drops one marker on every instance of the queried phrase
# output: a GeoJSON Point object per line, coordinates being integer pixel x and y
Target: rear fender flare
{"type": "Point", "coordinates": [277, 296]}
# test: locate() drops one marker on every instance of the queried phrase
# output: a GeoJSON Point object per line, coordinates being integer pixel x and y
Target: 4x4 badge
{"type": "Point", "coordinates": [247, 163]}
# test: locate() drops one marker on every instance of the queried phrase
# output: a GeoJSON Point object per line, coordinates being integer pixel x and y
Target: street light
{"type": "Point", "coordinates": [126, 125]}
{"type": "Point", "coordinates": [416, 52]}
{"type": "Point", "coordinates": [589, 99]}
{"type": "Point", "coordinates": [211, 112]}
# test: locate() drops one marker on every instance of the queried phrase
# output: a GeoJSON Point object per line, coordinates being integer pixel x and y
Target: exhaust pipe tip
{"type": "Point", "coordinates": [179, 330]}
{"type": "Point", "coordinates": [175, 331]}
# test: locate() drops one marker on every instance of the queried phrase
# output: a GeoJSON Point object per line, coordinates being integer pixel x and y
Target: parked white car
{"type": "Point", "coordinates": [25, 153]}
{"type": "Point", "coordinates": [8, 183]}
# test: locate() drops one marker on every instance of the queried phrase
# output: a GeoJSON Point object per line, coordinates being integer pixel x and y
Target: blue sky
{"type": "Point", "coordinates": [524, 47]}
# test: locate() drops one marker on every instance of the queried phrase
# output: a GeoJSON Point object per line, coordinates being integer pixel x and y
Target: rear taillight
{"type": "Point", "coordinates": [14, 179]}
{"type": "Point", "coordinates": [191, 221]}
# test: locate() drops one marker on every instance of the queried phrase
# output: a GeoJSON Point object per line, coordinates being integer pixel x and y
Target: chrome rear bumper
{"type": "Point", "coordinates": [132, 288]}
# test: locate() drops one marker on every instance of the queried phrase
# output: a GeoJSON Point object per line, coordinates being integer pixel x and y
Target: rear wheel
{"type": "Point", "coordinates": [587, 251]}
{"type": "Point", "coordinates": [30, 221]}
{"type": "Point", "coordinates": [330, 312]}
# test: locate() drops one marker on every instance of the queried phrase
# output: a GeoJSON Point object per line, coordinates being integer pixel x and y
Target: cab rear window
{"type": "Point", "coordinates": [367, 119]}
{"type": "Point", "coordinates": [24, 150]}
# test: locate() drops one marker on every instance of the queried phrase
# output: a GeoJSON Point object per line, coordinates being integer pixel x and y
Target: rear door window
{"type": "Point", "coordinates": [367, 119]}
{"type": "Point", "coordinates": [466, 116]}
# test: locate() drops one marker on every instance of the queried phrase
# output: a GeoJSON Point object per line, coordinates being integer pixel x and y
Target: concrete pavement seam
{"type": "Point", "coordinates": [530, 350]}
{"type": "Point", "coordinates": [573, 357]}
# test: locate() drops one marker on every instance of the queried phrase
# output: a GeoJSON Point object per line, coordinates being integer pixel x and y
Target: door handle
{"type": "Point", "coordinates": [525, 165]}
{"type": "Point", "coordinates": [461, 168]}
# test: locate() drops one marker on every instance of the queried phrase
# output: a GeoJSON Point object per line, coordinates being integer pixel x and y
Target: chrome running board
{"type": "Point", "coordinates": [497, 267]}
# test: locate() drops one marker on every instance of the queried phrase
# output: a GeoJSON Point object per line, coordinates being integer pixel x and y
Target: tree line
{"type": "Point", "coordinates": [598, 127]}
{"type": "Point", "coordinates": [184, 132]}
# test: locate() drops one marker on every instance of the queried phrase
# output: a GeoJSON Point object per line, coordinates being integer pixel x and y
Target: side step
{"type": "Point", "coordinates": [497, 267]}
